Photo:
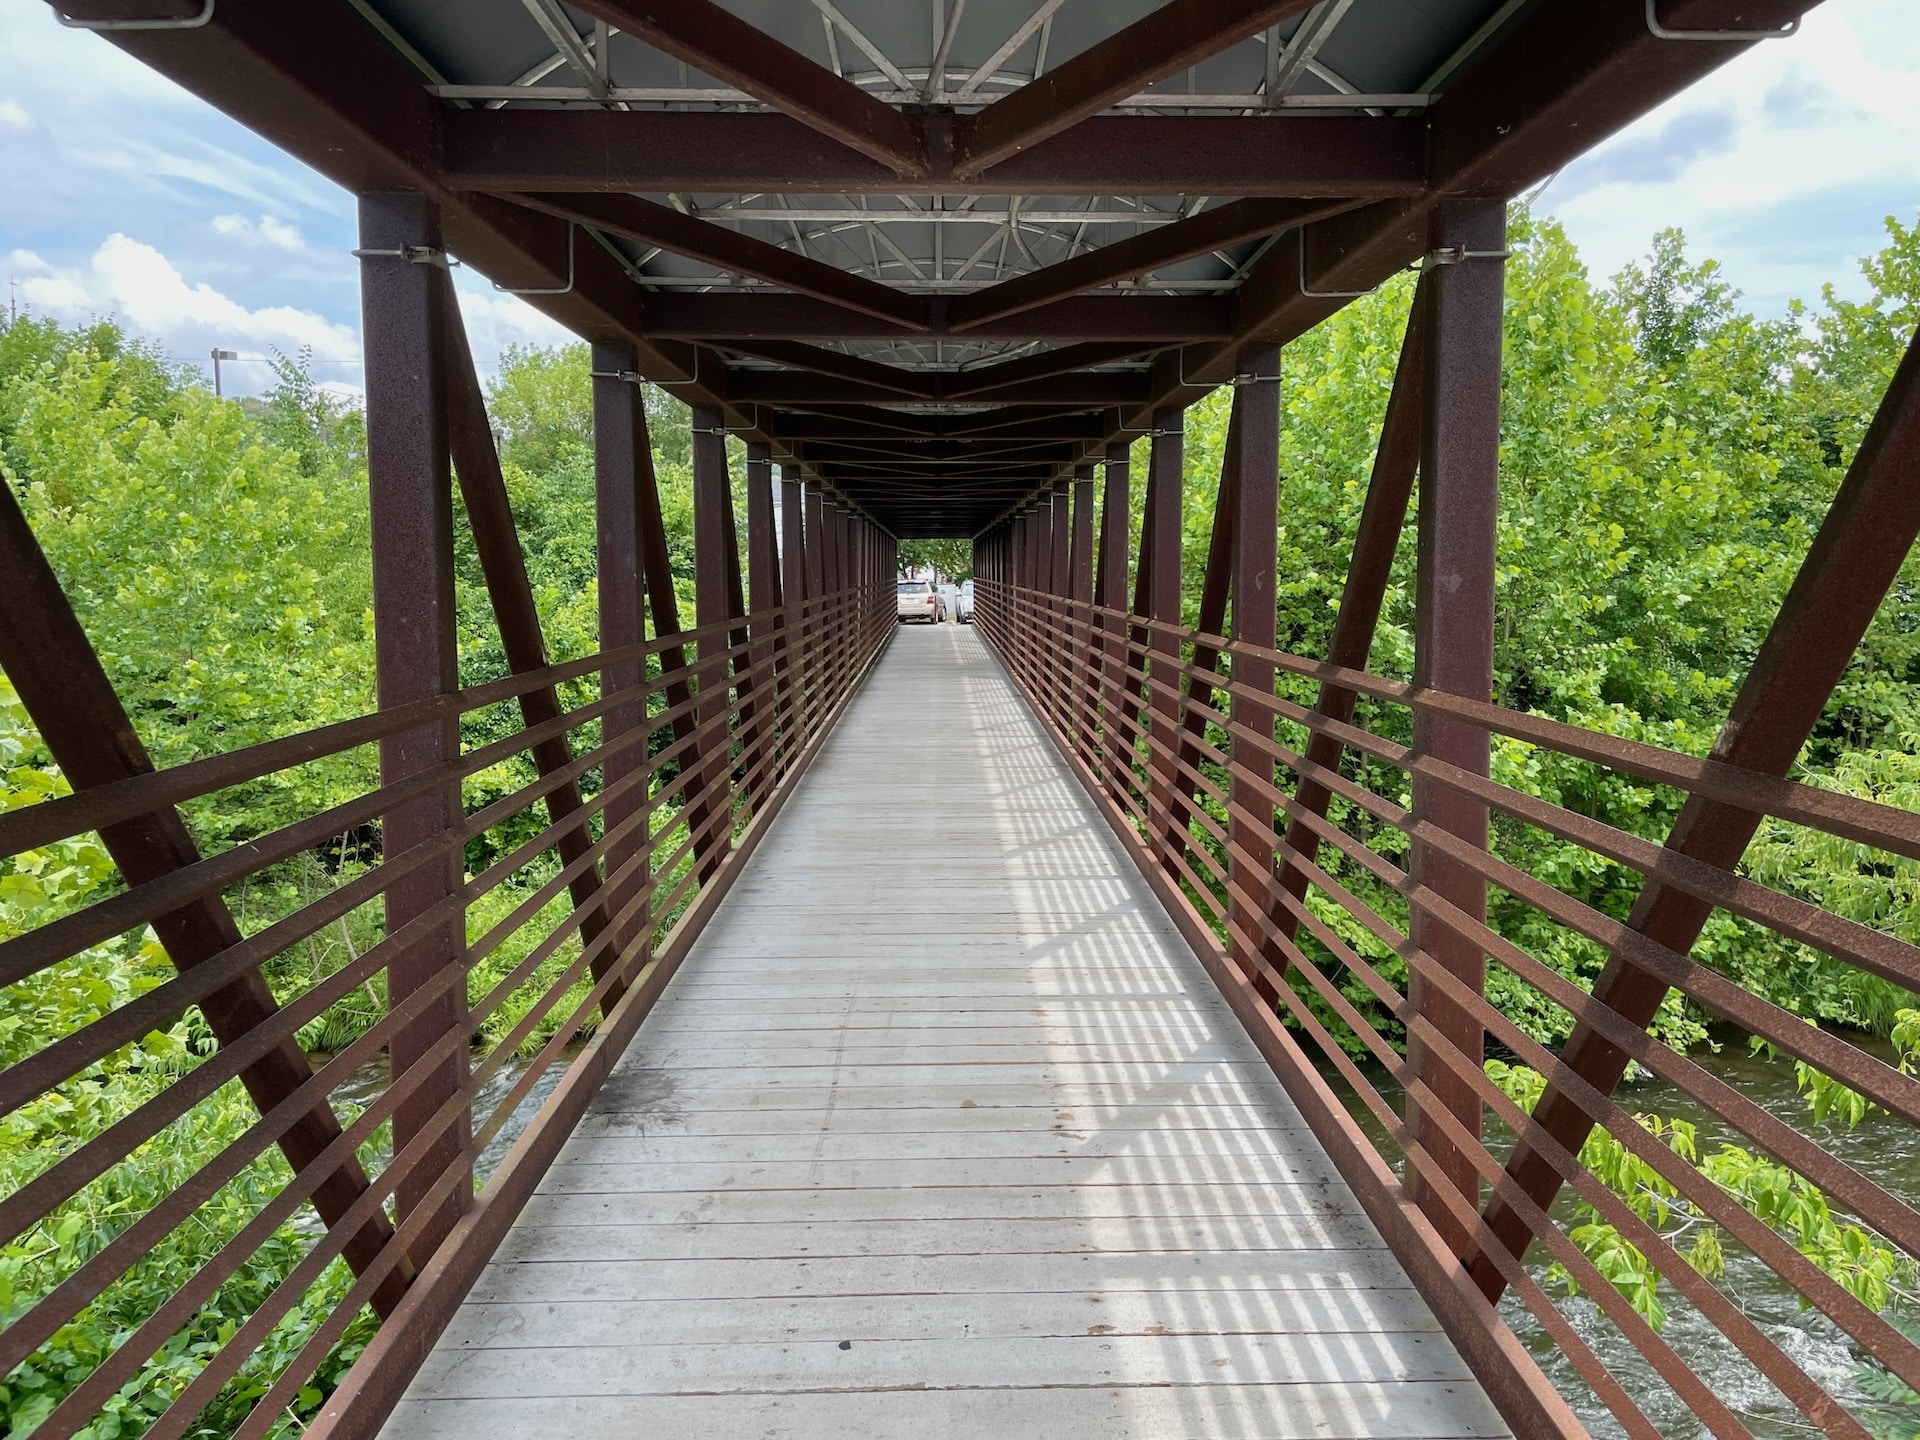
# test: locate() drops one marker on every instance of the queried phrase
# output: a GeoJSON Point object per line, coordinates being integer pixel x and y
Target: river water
{"type": "Point", "coordinates": [1885, 1149]}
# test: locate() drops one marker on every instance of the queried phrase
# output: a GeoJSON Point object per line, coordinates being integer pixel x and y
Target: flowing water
{"type": "Point", "coordinates": [1885, 1149]}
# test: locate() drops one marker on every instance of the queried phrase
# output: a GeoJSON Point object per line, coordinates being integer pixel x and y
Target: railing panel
{"type": "Point", "coordinates": [250, 1335]}
{"type": "Point", "coordinates": [1314, 942]}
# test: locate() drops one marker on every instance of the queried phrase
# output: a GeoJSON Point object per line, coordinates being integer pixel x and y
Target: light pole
{"type": "Point", "coordinates": [218, 356]}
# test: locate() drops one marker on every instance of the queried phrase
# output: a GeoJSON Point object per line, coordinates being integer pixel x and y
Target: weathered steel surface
{"type": "Point", "coordinates": [1453, 638]}
{"type": "Point", "coordinates": [410, 492]}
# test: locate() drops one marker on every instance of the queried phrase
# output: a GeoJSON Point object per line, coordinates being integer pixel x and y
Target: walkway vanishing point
{"type": "Point", "coordinates": [942, 1131]}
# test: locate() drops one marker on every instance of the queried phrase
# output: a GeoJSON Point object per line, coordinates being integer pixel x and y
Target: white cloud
{"type": "Point", "coordinates": [137, 285]}
{"type": "Point", "coordinates": [265, 231]}
{"type": "Point", "coordinates": [495, 320]}
{"type": "Point", "coordinates": [1780, 164]}
{"type": "Point", "coordinates": [12, 114]}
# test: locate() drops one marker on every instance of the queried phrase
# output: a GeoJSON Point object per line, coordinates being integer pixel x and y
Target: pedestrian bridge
{"type": "Point", "coordinates": [778, 1023]}
{"type": "Point", "coordinates": [942, 1129]}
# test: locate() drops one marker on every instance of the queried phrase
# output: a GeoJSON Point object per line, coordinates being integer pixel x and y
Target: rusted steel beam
{"type": "Point", "coordinates": [1852, 564]}
{"type": "Point", "coordinates": [755, 387]}
{"type": "Point", "coordinates": [1080, 566]}
{"type": "Point", "coordinates": [945, 455]}
{"type": "Point", "coordinates": [712, 538]}
{"type": "Point", "coordinates": [817, 360]}
{"type": "Point", "coordinates": [1144, 320]}
{"type": "Point", "coordinates": [54, 668]}
{"type": "Point", "coordinates": [1160, 559]}
{"type": "Point", "coordinates": [816, 545]}
{"type": "Point", "coordinates": [1369, 569]}
{"type": "Point", "coordinates": [1563, 79]}
{"type": "Point", "coordinates": [503, 565]}
{"type": "Point", "coordinates": [619, 442]}
{"type": "Point", "coordinates": [318, 84]}
{"type": "Point", "coordinates": [793, 543]}
{"type": "Point", "coordinates": [1216, 583]}
{"type": "Point", "coordinates": [1253, 453]}
{"type": "Point", "coordinates": [642, 220]}
{"type": "Point", "coordinates": [1067, 360]}
{"type": "Point", "coordinates": [1111, 595]}
{"type": "Point", "coordinates": [738, 637]}
{"type": "Point", "coordinates": [666, 152]}
{"type": "Point", "coordinates": [1169, 39]}
{"type": "Point", "coordinates": [722, 45]}
{"type": "Point", "coordinates": [1453, 654]}
{"type": "Point", "coordinates": [1216, 229]}
{"type": "Point", "coordinates": [416, 656]}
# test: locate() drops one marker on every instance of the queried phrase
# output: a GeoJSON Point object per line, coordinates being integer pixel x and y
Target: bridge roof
{"type": "Point", "coordinates": [938, 254]}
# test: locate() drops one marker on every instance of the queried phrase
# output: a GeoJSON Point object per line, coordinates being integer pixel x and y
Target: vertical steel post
{"type": "Point", "coordinates": [1164, 494]}
{"type": "Point", "coordinates": [793, 595]}
{"type": "Point", "coordinates": [619, 437]}
{"type": "Point", "coordinates": [1255, 459]}
{"type": "Point", "coordinates": [1082, 680]}
{"type": "Point", "coordinates": [1056, 653]}
{"type": "Point", "coordinates": [1453, 650]}
{"type": "Point", "coordinates": [1080, 563]}
{"type": "Point", "coordinates": [763, 581]}
{"type": "Point", "coordinates": [1115, 519]}
{"type": "Point", "coordinates": [712, 535]}
{"type": "Point", "coordinates": [815, 547]}
{"type": "Point", "coordinates": [410, 486]}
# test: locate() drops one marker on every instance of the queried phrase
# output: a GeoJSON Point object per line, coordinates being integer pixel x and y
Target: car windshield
{"type": "Point", "coordinates": [913, 587]}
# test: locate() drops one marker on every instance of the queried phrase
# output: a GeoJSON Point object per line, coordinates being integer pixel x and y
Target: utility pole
{"type": "Point", "coordinates": [218, 356]}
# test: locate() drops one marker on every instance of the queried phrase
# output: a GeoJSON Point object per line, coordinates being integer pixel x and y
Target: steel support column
{"type": "Point", "coordinates": [1115, 521]}
{"type": "Point", "coordinates": [1254, 456]}
{"type": "Point", "coordinates": [1453, 651]}
{"type": "Point", "coordinates": [1161, 552]}
{"type": "Point", "coordinates": [712, 577]}
{"type": "Point", "coordinates": [619, 440]}
{"type": "Point", "coordinates": [410, 491]}
{"type": "Point", "coordinates": [814, 549]}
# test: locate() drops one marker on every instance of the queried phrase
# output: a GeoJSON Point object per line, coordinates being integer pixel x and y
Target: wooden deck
{"type": "Point", "coordinates": [942, 1131]}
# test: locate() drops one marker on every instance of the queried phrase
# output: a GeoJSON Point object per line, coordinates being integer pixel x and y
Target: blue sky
{"type": "Point", "coordinates": [124, 195]}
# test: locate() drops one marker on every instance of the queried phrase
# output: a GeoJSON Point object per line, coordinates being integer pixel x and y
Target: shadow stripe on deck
{"type": "Point", "coordinates": [942, 1131]}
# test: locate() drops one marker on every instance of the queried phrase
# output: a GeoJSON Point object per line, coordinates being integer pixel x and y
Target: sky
{"type": "Point", "coordinates": [122, 194]}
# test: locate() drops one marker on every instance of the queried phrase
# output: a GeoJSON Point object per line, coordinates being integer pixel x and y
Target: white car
{"type": "Point", "coordinates": [917, 600]}
{"type": "Point", "coordinates": [966, 602]}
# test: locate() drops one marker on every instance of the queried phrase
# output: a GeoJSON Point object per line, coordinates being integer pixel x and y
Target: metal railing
{"type": "Point", "coordinates": [1220, 766]}
{"type": "Point", "coordinates": [689, 747]}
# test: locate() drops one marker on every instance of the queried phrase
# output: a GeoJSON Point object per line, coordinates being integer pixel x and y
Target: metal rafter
{"type": "Point", "coordinates": [1171, 38]}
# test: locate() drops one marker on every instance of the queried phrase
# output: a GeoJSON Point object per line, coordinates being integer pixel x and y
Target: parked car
{"type": "Point", "coordinates": [949, 602]}
{"type": "Point", "coordinates": [917, 600]}
{"type": "Point", "coordinates": [966, 602]}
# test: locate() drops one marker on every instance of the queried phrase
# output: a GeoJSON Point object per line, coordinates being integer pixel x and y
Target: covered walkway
{"type": "Point", "coordinates": [942, 1130]}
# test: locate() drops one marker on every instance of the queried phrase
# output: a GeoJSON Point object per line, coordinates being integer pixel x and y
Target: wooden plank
{"type": "Point", "coordinates": [1245, 1272]}
{"type": "Point", "coordinates": [701, 1239]}
{"type": "Point", "coordinates": [999, 1202]}
{"type": "Point", "coordinates": [581, 1176]}
{"type": "Point", "coordinates": [935, 1317]}
{"type": "Point", "coordinates": [1429, 1411]}
{"type": "Point", "coordinates": [668, 1369]}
